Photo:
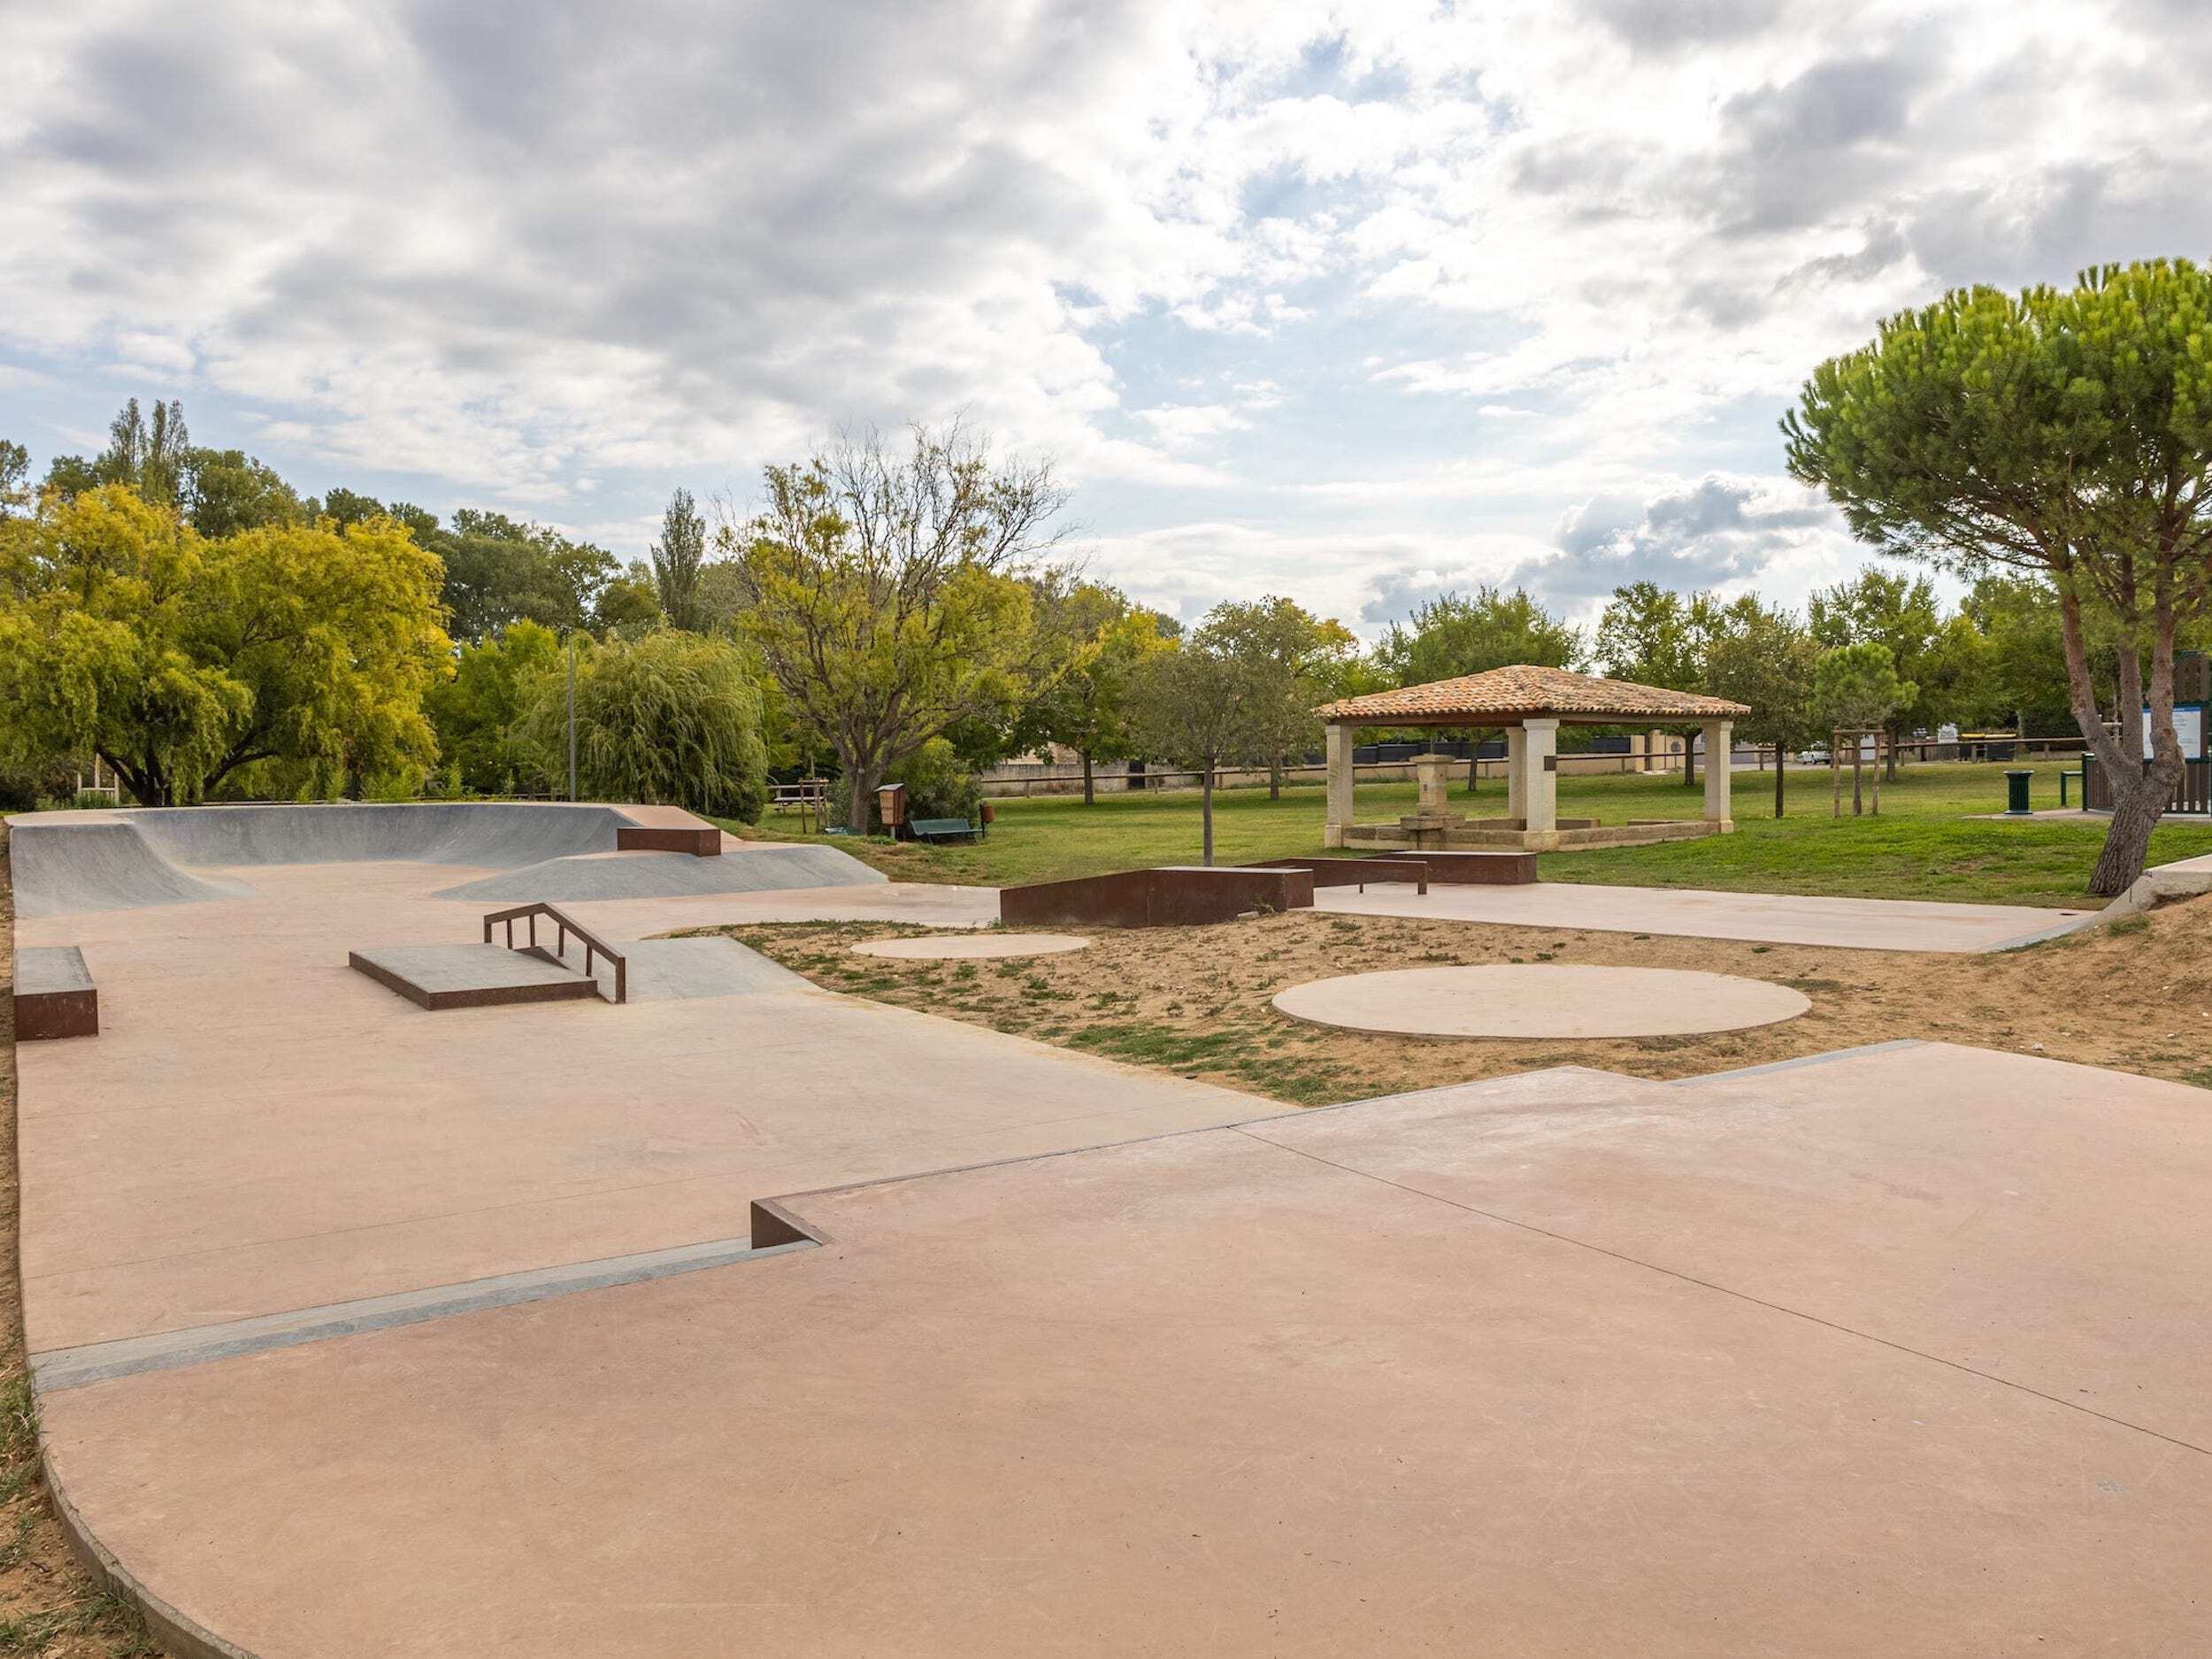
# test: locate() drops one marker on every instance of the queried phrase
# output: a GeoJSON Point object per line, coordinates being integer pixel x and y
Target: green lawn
{"type": "Point", "coordinates": [1926, 844]}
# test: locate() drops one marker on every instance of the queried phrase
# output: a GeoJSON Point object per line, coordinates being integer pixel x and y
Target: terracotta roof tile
{"type": "Point", "coordinates": [1524, 691]}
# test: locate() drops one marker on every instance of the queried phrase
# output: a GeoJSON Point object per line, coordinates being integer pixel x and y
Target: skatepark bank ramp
{"type": "Point", "coordinates": [68, 862]}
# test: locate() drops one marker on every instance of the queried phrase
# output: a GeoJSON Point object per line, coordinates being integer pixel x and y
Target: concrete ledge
{"type": "Point", "coordinates": [1485, 869]}
{"type": "Point", "coordinates": [471, 976]}
{"type": "Point", "coordinates": [703, 843]}
{"type": "Point", "coordinates": [54, 994]}
{"type": "Point", "coordinates": [1174, 895]}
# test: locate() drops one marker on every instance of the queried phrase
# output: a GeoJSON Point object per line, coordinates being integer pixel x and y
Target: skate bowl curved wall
{"type": "Point", "coordinates": [67, 863]}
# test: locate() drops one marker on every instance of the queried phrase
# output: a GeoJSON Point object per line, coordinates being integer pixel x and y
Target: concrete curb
{"type": "Point", "coordinates": [178, 1634]}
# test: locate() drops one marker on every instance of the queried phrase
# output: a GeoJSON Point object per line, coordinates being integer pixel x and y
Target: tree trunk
{"type": "Point", "coordinates": [864, 790]}
{"type": "Point", "coordinates": [1275, 779]}
{"type": "Point", "coordinates": [1858, 797]}
{"type": "Point", "coordinates": [2139, 792]}
{"type": "Point", "coordinates": [1778, 780]}
{"type": "Point", "coordinates": [2136, 805]}
{"type": "Point", "coordinates": [1893, 734]}
{"type": "Point", "coordinates": [1206, 811]}
{"type": "Point", "coordinates": [1090, 796]}
{"type": "Point", "coordinates": [1689, 760]}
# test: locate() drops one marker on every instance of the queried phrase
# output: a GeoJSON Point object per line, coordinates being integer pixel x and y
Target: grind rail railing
{"type": "Point", "coordinates": [593, 945]}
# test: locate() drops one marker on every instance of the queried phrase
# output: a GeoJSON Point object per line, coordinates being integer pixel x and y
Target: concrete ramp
{"type": "Point", "coordinates": [679, 969]}
{"type": "Point", "coordinates": [68, 862]}
{"type": "Point", "coordinates": [759, 867]}
{"type": "Point", "coordinates": [62, 869]}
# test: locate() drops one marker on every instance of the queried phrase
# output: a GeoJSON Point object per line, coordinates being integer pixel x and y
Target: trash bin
{"type": "Point", "coordinates": [2016, 794]}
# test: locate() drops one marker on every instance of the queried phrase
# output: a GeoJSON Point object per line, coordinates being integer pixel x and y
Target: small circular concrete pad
{"type": "Point", "coordinates": [936, 947]}
{"type": "Point", "coordinates": [1534, 1001]}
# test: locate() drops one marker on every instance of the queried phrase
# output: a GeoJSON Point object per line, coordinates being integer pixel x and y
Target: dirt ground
{"type": "Point", "coordinates": [49, 1605]}
{"type": "Point", "coordinates": [1197, 1000]}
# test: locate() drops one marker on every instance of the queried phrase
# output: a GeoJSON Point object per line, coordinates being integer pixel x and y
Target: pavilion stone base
{"type": "Point", "coordinates": [1571, 835]}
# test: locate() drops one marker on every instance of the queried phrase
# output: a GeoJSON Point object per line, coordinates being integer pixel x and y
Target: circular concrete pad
{"type": "Point", "coordinates": [936, 947]}
{"type": "Point", "coordinates": [1535, 1001]}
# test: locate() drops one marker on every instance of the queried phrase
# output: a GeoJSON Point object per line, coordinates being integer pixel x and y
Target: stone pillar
{"type": "Point", "coordinates": [1339, 817]}
{"type": "Point", "coordinates": [1516, 763]}
{"type": "Point", "coordinates": [1539, 753]}
{"type": "Point", "coordinates": [1436, 789]}
{"type": "Point", "coordinates": [1720, 736]}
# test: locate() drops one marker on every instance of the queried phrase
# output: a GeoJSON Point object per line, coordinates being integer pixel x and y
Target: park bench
{"type": "Point", "coordinates": [944, 829]}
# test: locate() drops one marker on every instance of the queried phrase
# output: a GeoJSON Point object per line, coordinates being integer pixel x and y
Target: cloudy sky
{"type": "Point", "coordinates": [1357, 302]}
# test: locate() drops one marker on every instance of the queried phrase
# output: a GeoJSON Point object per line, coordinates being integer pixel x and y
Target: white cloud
{"type": "Point", "coordinates": [1395, 286]}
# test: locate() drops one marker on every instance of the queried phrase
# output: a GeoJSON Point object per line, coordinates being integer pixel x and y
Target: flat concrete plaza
{"type": "Point", "coordinates": [1900, 1354]}
{"type": "Point", "coordinates": [1773, 918]}
{"type": "Point", "coordinates": [362, 1329]}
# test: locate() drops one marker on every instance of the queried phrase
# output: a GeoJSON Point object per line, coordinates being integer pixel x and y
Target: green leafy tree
{"type": "Point", "coordinates": [628, 604]}
{"type": "Point", "coordinates": [499, 571]}
{"type": "Point", "coordinates": [671, 719]}
{"type": "Point", "coordinates": [1765, 658]}
{"type": "Point", "coordinates": [1942, 656]}
{"type": "Point", "coordinates": [2065, 434]}
{"type": "Point", "coordinates": [179, 660]}
{"type": "Point", "coordinates": [678, 558]}
{"type": "Point", "coordinates": [227, 490]}
{"type": "Point", "coordinates": [150, 452]}
{"type": "Point", "coordinates": [1088, 708]}
{"type": "Point", "coordinates": [1294, 661]}
{"type": "Point", "coordinates": [891, 597]}
{"type": "Point", "coordinates": [1456, 634]}
{"type": "Point", "coordinates": [15, 470]}
{"type": "Point", "coordinates": [476, 710]}
{"type": "Point", "coordinates": [1653, 636]}
{"type": "Point", "coordinates": [1195, 706]}
{"type": "Point", "coordinates": [1857, 687]}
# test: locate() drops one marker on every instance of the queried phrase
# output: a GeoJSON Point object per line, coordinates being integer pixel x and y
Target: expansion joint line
{"type": "Point", "coordinates": [1725, 1290]}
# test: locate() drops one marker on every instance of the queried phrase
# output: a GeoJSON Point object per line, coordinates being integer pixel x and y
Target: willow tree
{"type": "Point", "coordinates": [892, 594]}
{"type": "Point", "coordinates": [669, 720]}
{"type": "Point", "coordinates": [2063, 434]}
{"type": "Point", "coordinates": [178, 659]}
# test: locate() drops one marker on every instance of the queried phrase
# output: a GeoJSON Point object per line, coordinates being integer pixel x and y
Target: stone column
{"type": "Point", "coordinates": [1435, 785]}
{"type": "Point", "coordinates": [1339, 818]}
{"type": "Point", "coordinates": [1540, 751]}
{"type": "Point", "coordinates": [1516, 763]}
{"type": "Point", "coordinates": [1720, 736]}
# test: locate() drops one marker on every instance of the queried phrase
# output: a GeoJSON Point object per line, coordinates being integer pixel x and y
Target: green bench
{"type": "Point", "coordinates": [944, 829]}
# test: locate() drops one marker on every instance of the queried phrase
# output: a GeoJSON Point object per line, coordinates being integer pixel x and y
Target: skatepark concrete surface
{"type": "Point", "coordinates": [1540, 999]}
{"type": "Point", "coordinates": [1892, 1352]}
{"type": "Point", "coordinates": [955, 947]}
{"type": "Point", "coordinates": [71, 862]}
{"type": "Point", "coordinates": [358, 1329]}
{"type": "Point", "coordinates": [1780, 918]}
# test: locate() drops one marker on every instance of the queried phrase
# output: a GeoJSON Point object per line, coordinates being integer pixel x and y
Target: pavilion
{"type": "Point", "coordinates": [1530, 704]}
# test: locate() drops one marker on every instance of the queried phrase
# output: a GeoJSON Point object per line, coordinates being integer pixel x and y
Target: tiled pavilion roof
{"type": "Point", "coordinates": [1503, 695]}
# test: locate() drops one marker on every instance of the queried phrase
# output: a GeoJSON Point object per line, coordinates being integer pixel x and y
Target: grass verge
{"type": "Point", "coordinates": [1929, 842]}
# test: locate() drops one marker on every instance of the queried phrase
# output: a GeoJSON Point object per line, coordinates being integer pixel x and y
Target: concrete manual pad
{"type": "Point", "coordinates": [1536, 999]}
{"type": "Point", "coordinates": [1561, 1366]}
{"type": "Point", "coordinates": [1782, 918]}
{"type": "Point", "coordinates": [952, 947]}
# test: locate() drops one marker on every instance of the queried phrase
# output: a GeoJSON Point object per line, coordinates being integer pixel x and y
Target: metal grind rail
{"type": "Point", "coordinates": [593, 945]}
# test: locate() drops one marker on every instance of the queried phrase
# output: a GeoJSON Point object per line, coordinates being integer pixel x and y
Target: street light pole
{"type": "Point", "coordinates": [571, 717]}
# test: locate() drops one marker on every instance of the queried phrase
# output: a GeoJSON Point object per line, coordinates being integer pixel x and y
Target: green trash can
{"type": "Point", "coordinates": [2016, 794]}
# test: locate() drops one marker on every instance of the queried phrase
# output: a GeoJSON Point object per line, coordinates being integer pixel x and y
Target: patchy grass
{"type": "Point", "coordinates": [1197, 1000]}
{"type": "Point", "coordinates": [49, 1605]}
{"type": "Point", "coordinates": [1928, 842]}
